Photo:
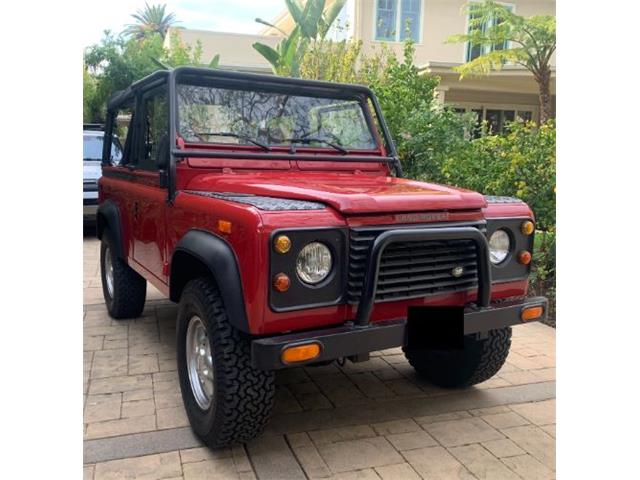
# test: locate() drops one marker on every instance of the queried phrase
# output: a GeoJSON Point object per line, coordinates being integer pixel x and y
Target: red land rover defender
{"type": "Point", "coordinates": [273, 210]}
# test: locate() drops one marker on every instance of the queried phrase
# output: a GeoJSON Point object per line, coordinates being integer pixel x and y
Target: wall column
{"type": "Point", "coordinates": [440, 93]}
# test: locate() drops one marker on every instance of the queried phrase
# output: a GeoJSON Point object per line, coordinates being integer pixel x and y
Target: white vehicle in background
{"type": "Point", "coordinates": [92, 168]}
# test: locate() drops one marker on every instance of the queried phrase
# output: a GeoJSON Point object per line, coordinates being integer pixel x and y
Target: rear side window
{"type": "Point", "coordinates": [155, 126]}
{"type": "Point", "coordinates": [123, 132]}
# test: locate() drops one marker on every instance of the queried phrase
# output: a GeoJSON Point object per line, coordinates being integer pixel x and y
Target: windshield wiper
{"type": "Point", "coordinates": [266, 148]}
{"type": "Point", "coordinates": [308, 140]}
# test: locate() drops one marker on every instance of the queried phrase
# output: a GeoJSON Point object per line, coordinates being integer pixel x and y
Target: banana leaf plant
{"type": "Point", "coordinates": [312, 21]}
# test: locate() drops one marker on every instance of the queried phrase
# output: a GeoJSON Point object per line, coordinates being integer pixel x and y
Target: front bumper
{"type": "Point", "coordinates": [360, 337]}
{"type": "Point", "coordinates": [351, 340]}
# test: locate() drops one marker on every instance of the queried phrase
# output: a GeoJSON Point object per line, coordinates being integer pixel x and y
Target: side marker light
{"type": "Point", "coordinates": [300, 353]}
{"type": "Point", "coordinates": [224, 226]}
{"type": "Point", "coordinates": [531, 313]}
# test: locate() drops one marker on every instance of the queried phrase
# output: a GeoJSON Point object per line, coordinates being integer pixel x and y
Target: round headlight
{"type": "Point", "coordinates": [499, 245]}
{"type": "Point", "coordinates": [314, 263]}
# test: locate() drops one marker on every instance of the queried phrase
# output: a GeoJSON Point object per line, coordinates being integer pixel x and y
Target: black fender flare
{"type": "Point", "coordinates": [220, 260]}
{"type": "Point", "coordinates": [108, 217]}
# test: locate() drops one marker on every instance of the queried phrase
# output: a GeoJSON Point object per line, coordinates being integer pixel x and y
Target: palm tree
{"type": "Point", "coordinates": [151, 19]}
{"type": "Point", "coordinates": [531, 41]}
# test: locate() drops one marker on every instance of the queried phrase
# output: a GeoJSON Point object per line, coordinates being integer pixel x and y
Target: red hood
{"type": "Point", "coordinates": [347, 193]}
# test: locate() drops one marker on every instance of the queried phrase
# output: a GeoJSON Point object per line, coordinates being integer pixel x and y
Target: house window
{"type": "Point", "coordinates": [475, 50]}
{"type": "Point", "coordinates": [496, 118]}
{"type": "Point", "coordinates": [398, 20]}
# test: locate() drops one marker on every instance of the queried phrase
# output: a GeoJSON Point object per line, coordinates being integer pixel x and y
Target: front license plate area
{"type": "Point", "coordinates": [439, 328]}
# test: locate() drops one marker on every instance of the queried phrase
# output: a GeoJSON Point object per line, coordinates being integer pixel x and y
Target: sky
{"type": "Point", "coordinates": [219, 15]}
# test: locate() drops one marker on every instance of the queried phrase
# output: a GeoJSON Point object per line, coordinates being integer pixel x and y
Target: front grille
{"type": "Point", "coordinates": [412, 269]}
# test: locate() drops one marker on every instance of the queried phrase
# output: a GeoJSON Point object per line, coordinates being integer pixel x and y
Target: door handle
{"type": "Point", "coordinates": [135, 210]}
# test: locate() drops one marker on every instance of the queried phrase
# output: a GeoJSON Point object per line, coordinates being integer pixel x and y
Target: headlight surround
{"type": "Point", "coordinates": [499, 246]}
{"type": "Point", "coordinates": [314, 263]}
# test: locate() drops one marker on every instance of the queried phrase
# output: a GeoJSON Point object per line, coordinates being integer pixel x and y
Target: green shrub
{"type": "Point", "coordinates": [521, 163]}
{"type": "Point", "coordinates": [542, 280]}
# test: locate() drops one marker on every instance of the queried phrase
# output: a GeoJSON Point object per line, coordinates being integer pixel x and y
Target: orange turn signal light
{"type": "Point", "coordinates": [281, 282]}
{"type": "Point", "coordinates": [282, 244]}
{"type": "Point", "coordinates": [527, 227]}
{"type": "Point", "coordinates": [531, 313]}
{"type": "Point", "coordinates": [224, 226]}
{"type": "Point", "coordinates": [300, 353]}
{"type": "Point", "coordinates": [524, 257]}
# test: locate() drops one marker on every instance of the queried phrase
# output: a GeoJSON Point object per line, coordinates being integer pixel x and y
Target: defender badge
{"type": "Point", "coordinates": [457, 271]}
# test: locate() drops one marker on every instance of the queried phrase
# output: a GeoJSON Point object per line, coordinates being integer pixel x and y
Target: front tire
{"type": "Point", "coordinates": [124, 290]}
{"type": "Point", "coordinates": [476, 362]}
{"type": "Point", "coordinates": [227, 400]}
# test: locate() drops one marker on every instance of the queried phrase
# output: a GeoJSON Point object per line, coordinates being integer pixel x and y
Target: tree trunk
{"type": "Point", "coordinates": [544, 96]}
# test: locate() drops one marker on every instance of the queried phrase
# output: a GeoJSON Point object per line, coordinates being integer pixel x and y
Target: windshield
{"type": "Point", "coordinates": [219, 115]}
{"type": "Point", "coordinates": [92, 146]}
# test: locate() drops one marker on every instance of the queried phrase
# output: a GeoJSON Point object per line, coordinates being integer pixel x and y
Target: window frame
{"type": "Point", "coordinates": [467, 45]}
{"type": "Point", "coordinates": [518, 108]}
{"type": "Point", "coordinates": [398, 21]}
{"type": "Point", "coordinates": [367, 114]}
{"type": "Point", "coordinates": [141, 127]}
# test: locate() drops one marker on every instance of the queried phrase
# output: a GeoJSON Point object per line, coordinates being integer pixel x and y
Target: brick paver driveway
{"type": "Point", "coordinates": [361, 421]}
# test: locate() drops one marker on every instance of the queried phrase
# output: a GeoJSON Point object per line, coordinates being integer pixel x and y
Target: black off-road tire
{"type": "Point", "coordinates": [129, 288]}
{"type": "Point", "coordinates": [477, 362]}
{"type": "Point", "coordinates": [243, 396]}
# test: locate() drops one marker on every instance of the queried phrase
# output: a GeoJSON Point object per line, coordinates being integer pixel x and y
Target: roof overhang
{"type": "Point", "coordinates": [509, 79]}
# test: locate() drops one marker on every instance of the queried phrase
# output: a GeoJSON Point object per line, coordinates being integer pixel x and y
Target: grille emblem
{"type": "Point", "coordinates": [457, 271]}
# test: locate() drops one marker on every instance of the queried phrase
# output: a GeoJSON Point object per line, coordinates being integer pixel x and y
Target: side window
{"type": "Point", "coordinates": [155, 128]}
{"type": "Point", "coordinates": [122, 135]}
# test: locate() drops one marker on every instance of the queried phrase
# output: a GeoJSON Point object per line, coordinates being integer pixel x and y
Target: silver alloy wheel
{"type": "Point", "coordinates": [199, 362]}
{"type": "Point", "coordinates": [108, 271]}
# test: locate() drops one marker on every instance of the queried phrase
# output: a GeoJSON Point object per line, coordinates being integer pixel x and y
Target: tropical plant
{"type": "Point", "coordinates": [312, 21]}
{"type": "Point", "coordinates": [150, 19]}
{"type": "Point", "coordinates": [531, 42]}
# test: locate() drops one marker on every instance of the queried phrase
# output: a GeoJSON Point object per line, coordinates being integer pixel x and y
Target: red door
{"type": "Point", "coordinates": [149, 217]}
{"type": "Point", "coordinates": [149, 199]}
